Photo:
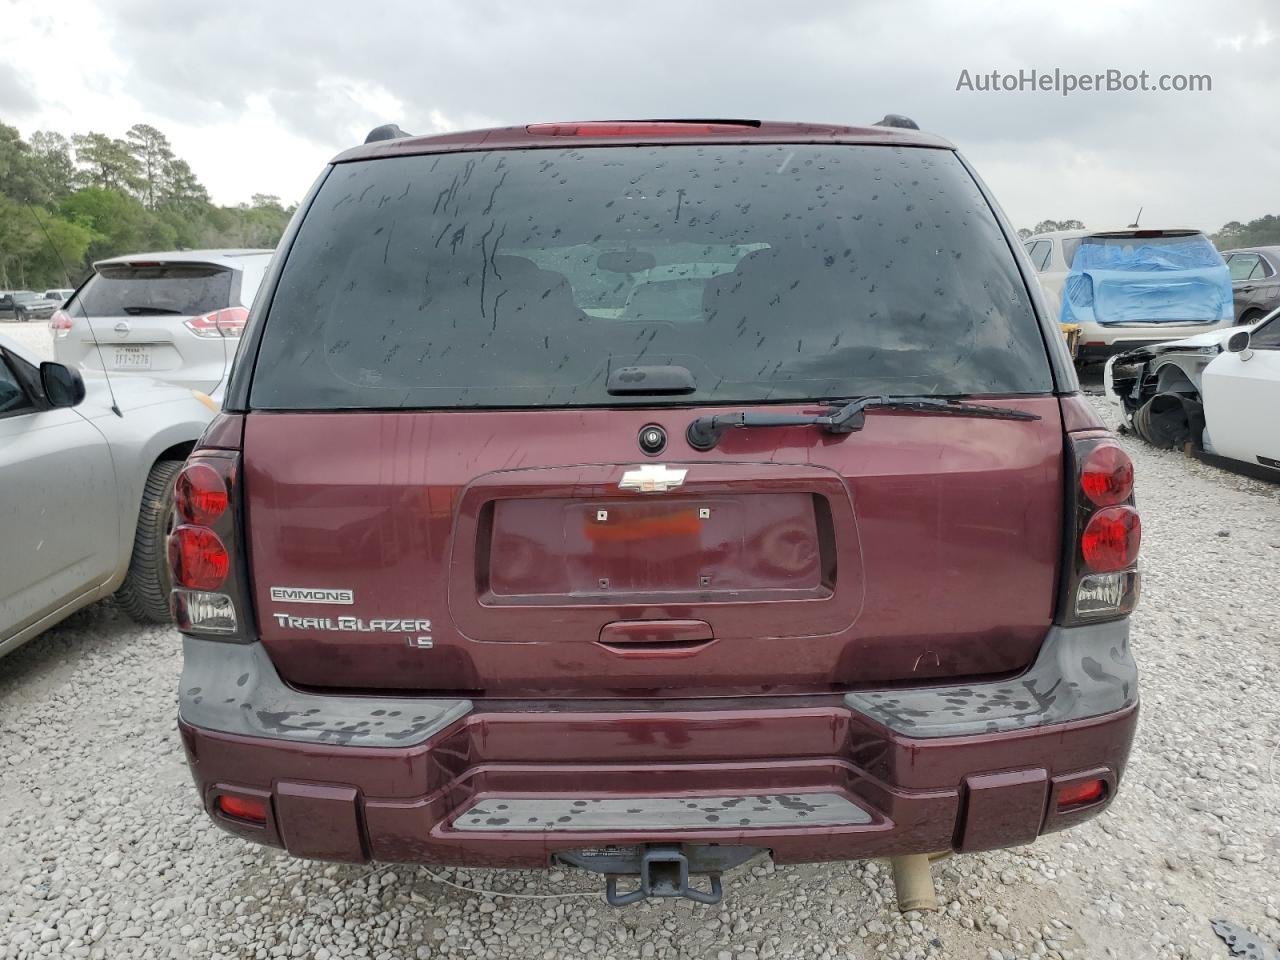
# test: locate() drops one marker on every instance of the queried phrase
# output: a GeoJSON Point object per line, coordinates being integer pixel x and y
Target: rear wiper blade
{"type": "Point", "coordinates": [847, 417]}
{"type": "Point", "coordinates": [151, 312]}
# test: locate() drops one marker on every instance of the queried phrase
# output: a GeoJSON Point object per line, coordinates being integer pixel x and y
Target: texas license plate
{"type": "Point", "coordinates": [132, 358]}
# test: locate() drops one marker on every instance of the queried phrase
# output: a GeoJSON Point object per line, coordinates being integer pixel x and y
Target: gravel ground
{"type": "Point", "coordinates": [105, 853]}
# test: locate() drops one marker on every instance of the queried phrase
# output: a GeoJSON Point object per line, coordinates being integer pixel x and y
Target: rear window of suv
{"type": "Point", "coordinates": [181, 289]}
{"type": "Point", "coordinates": [524, 278]}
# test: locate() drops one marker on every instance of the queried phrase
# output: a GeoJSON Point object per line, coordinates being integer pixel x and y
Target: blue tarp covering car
{"type": "Point", "coordinates": [1147, 277]}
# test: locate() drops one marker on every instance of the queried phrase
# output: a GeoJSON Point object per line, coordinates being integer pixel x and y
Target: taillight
{"type": "Point", "coordinates": [1107, 475]}
{"type": "Point", "coordinates": [198, 559]}
{"type": "Point", "coordinates": [209, 582]}
{"type": "Point", "coordinates": [60, 324]}
{"type": "Point", "coordinates": [1101, 580]}
{"type": "Point", "coordinates": [1111, 539]}
{"type": "Point", "coordinates": [220, 323]}
{"type": "Point", "coordinates": [200, 495]}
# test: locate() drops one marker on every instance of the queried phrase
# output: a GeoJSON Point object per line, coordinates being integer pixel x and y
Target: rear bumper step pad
{"type": "Point", "coordinates": [1081, 672]}
{"type": "Point", "coordinates": [661, 813]}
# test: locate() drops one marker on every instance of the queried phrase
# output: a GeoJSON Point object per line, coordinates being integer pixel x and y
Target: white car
{"type": "Point", "coordinates": [1199, 298]}
{"type": "Point", "coordinates": [173, 316]}
{"type": "Point", "coordinates": [1218, 392]}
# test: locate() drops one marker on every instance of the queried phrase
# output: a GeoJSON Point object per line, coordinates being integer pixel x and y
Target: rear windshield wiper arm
{"type": "Point", "coordinates": [847, 417]}
{"type": "Point", "coordinates": [151, 312]}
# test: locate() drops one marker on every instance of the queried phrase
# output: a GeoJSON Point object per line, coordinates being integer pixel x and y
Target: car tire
{"type": "Point", "coordinates": [1249, 317]}
{"type": "Point", "coordinates": [144, 595]}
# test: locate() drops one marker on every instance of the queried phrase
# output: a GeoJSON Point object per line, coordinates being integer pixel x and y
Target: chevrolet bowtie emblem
{"type": "Point", "coordinates": [652, 478]}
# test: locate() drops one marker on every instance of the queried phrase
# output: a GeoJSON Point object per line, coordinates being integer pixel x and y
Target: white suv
{"type": "Point", "coordinates": [1139, 286]}
{"type": "Point", "coordinates": [173, 316]}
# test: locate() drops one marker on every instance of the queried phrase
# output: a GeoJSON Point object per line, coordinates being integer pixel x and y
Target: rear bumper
{"type": "Point", "coordinates": [202, 367]}
{"type": "Point", "coordinates": [1099, 352]}
{"type": "Point", "coordinates": [876, 773]}
{"type": "Point", "coordinates": [1099, 342]}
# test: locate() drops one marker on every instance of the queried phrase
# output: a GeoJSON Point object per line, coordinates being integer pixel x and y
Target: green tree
{"type": "Point", "coordinates": [1049, 226]}
{"type": "Point", "coordinates": [64, 204]}
{"type": "Point", "coordinates": [18, 241]}
{"type": "Point", "coordinates": [151, 150]}
{"type": "Point", "coordinates": [1262, 232]}
{"type": "Point", "coordinates": [116, 222]}
{"type": "Point", "coordinates": [180, 188]}
{"type": "Point", "coordinates": [19, 176]}
{"type": "Point", "coordinates": [59, 252]}
{"type": "Point", "coordinates": [51, 153]}
{"type": "Point", "coordinates": [107, 163]}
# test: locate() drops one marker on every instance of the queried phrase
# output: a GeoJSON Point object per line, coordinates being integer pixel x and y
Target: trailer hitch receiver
{"type": "Point", "coordinates": [664, 872]}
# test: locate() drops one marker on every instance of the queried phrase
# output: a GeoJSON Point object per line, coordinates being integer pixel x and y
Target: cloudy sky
{"type": "Point", "coordinates": [258, 95]}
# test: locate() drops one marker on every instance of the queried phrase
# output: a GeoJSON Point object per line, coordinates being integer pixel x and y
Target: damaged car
{"type": "Point", "coordinates": [1214, 395]}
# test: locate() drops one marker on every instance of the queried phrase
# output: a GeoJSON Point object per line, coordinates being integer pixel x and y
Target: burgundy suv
{"type": "Point", "coordinates": [646, 495]}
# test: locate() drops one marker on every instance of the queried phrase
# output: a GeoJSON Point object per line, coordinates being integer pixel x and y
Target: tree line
{"type": "Point", "coordinates": [1262, 232]}
{"type": "Point", "coordinates": [65, 203]}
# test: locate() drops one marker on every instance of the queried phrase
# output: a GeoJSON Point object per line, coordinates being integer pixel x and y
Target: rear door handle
{"type": "Point", "coordinates": [646, 639]}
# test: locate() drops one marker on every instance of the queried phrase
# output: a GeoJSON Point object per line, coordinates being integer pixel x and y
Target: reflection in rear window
{"type": "Point", "coordinates": [769, 272]}
{"type": "Point", "coordinates": [181, 289]}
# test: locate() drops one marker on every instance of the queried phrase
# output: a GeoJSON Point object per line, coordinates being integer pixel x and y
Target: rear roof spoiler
{"type": "Point", "coordinates": [1145, 232]}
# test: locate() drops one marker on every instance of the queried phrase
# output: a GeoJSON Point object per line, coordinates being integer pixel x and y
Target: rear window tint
{"type": "Point", "coordinates": [186, 289]}
{"type": "Point", "coordinates": [524, 278]}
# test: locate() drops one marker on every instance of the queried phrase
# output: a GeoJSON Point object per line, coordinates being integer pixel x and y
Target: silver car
{"type": "Point", "coordinates": [173, 316]}
{"type": "Point", "coordinates": [85, 492]}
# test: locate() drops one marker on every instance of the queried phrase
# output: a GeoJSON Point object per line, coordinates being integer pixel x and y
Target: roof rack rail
{"type": "Point", "coordinates": [388, 131]}
{"type": "Point", "coordinates": [897, 120]}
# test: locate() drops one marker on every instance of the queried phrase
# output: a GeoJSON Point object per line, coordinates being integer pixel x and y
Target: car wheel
{"type": "Point", "coordinates": [144, 595]}
{"type": "Point", "coordinates": [1249, 317]}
